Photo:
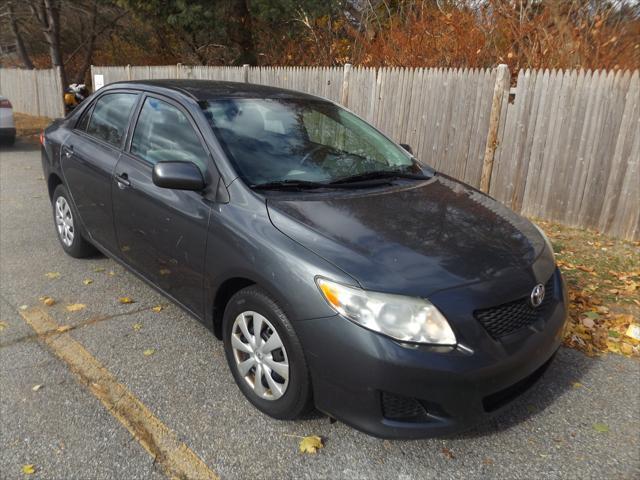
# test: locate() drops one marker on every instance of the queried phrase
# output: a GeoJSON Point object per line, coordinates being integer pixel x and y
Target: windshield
{"type": "Point", "coordinates": [295, 141]}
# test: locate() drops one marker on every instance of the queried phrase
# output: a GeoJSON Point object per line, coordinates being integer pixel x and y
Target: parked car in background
{"type": "Point", "coordinates": [7, 125]}
{"type": "Point", "coordinates": [339, 270]}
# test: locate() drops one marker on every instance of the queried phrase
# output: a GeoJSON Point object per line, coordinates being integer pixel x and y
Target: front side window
{"type": "Point", "coordinates": [282, 140]}
{"type": "Point", "coordinates": [164, 133]}
{"type": "Point", "coordinates": [110, 117]}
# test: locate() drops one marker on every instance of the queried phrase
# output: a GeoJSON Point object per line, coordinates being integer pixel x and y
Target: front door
{"type": "Point", "coordinates": [88, 159]}
{"type": "Point", "coordinates": [162, 232]}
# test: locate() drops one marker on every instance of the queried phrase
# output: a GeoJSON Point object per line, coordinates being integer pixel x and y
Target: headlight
{"type": "Point", "coordinates": [403, 318]}
{"type": "Point", "coordinates": [546, 239]}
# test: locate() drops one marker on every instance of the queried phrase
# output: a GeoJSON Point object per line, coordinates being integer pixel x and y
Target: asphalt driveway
{"type": "Point", "coordinates": [582, 420]}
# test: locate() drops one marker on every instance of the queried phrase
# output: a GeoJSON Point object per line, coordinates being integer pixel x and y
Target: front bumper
{"type": "Point", "coordinates": [371, 382]}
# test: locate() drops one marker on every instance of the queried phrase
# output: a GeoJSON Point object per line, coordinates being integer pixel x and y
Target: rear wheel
{"type": "Point", "coordinates": [65, 218]}
{"type": "Point", "coordinates": [265, 355]}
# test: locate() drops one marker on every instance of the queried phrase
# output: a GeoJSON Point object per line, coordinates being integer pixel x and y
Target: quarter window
{"type": "Point", "coordinates": [84, 120]}
{"type": "Point", "coordinates": [111, 116]}
{"type": "Point", "coordinates": [164, 133]}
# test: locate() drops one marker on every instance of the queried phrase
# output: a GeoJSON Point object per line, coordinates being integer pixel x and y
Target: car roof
{"type": "Point", "coordinates": [202, 90]}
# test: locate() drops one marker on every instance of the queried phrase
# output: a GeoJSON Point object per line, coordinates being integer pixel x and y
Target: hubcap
{"type": "Point", "coordinates": [64, 221]}
{"type": "Point", "coordinates": [260, 356]}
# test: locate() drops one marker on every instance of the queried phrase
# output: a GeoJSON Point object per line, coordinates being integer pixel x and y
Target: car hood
{"type": "Point", "coordinates": [413, 239]}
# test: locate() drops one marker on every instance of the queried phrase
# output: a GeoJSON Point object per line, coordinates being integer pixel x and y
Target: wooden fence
{"type": "Point", "coordinates": [36, 92]}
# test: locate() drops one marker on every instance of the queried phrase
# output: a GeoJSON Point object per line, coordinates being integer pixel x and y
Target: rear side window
{"type": "Point", "coordinates": [164, 133]}
{"type": "Point", "coordinates": [110, 117]}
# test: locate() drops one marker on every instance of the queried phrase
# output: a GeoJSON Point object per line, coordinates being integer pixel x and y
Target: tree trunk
{"type": "Point", "coordinates": [48, 14]}
{"type": "Point", "coordinates": [22, 50]}
{"type": "Point", "coordinates": [241, 32]}
{"type": "Point", "coordinates": [91, 41]}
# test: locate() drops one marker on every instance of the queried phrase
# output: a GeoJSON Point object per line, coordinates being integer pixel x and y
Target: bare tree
{"type": "Point", "coordinates": [15, 29]}
{"type": "Point", "coordinates": [47, 13]}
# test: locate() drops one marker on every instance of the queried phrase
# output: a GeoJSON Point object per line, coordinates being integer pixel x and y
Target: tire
{"type": "Point", "coordinates": [257, 307]}
{"type": "Point", "coordinates": [71, 238]}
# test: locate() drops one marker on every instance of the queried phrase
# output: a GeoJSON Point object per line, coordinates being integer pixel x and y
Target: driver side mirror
{"type": "Point", "coordinates": [178, 175]}
{"type": "Point", "coordinates": [407, 147]}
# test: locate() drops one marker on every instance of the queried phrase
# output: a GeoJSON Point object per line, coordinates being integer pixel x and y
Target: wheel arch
{"type": "Point", "coordinates": [223, 294]}
{"type": "Point", "coordinates": [52, 182]}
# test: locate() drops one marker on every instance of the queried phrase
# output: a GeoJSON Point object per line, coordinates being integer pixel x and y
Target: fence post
{"type": "Point", "coordinates": [128, 71]}
{"type": "Point", "coordinates": [178, 68]}
{"type": "Point", "coordinates": [245, 73]}
{"type": "Point", "coordinates": [34, 74]}
{"type": "Point", "coordinates": [346, 75]}
{"type": "Point", "coordinates": [500, 95]}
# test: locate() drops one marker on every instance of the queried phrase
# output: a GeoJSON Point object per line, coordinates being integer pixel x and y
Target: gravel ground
{"type": "Point", "coordinates": [67, 433]}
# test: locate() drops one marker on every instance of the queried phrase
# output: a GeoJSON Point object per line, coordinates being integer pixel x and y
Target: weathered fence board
{"type": "Point", "coordinates": [567, 151]}
{"type": "Point", "coordinates": [36, 92]}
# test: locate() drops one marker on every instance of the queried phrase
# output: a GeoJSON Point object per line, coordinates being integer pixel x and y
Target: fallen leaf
{"type": "Point", "coordinates": [52, 275]}
{"type": "Point", "coordinates": [626, 349]}
{"type": "Point", "coordinates": [125, 300]}
{"type": "Point", "coordinates": [29, 469]}
{"type": "Point", "coordinates": [588, 322]}
{"type": "Point", "coordinates": [87, 281]}
{"type": "Point", "coordinates": [577, 385]}
{"type": "Point", "coordinates": [137, 326]}
{"type": "Point", "coordinates": [149, 351]}
{"type": "Point", "coordinates": [98, 269]}
{"type": "Point", "coordinates": [48, 301]}
{"type": "Point", "coordinates": [63, 328]}
{"type": "Point", "coordinates": [601, 427]}
{"type": "Point", "coordinates": [448, 453]}
{"type": "Point", "coordinates": [3, 325]}
{"type": "Point", "coordinates": [76, 307]}
{"type": "Point", "coordinates": [24, 307]}
{"type": "Point", "coordinates": [311, 444]}
{"type": "Point", "coordinates": [112, 273]}
{"type": "Point", "coordinates": [35, 388]}
{"type": "Point", "coordinates": [157, 308]}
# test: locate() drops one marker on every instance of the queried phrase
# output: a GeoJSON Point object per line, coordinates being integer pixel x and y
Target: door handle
{"type": "Point", "coordinates": [67, 151]}
{"type": "Point", "coordinates": [123, 180]}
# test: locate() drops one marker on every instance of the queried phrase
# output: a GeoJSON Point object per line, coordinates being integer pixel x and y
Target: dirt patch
{"type": "Point", "coordinates": [28, 127]}
{"type": "Point", "coordinates": [603, 282]}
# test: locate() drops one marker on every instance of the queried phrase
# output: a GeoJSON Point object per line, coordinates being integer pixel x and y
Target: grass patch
{"type": "Point", "coordinates": [603, 285]}
{"type": "Point", "coordinates": [28, 127]}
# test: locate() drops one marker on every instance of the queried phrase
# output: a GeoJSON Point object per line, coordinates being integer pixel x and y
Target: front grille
{"type": "Point", "coordinates": [510, 317]}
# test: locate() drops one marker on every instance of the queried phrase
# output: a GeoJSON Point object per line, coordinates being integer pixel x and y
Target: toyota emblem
{"type": "Point", "coordinates": [537, 295]}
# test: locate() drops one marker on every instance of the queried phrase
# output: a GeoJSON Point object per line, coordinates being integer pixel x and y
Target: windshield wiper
{"type": "Point", "coordinates": [380, 174]}
{"type": "Point", "coordinates": [289, 185]}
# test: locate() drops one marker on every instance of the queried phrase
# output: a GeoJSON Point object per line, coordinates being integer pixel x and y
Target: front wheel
{"type": "Point", "coordinates": [66, 221]}
{"type": "Point", "coordinates": [265, 355]}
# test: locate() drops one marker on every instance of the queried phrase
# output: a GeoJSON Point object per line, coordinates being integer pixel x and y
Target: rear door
{"type": "Point", "coordinates": [162, 232]}
{"type": "Point", "coordinates": [89, 157]}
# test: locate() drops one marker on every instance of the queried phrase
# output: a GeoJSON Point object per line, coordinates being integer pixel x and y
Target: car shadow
{"type": "Point", "coordinates": [21, 145]}
{"type": "Point", "coordinates": [568, 367]}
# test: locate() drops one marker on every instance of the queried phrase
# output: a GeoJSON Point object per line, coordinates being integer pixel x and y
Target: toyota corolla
{"type": "Point", "coordinates": [340, 271]}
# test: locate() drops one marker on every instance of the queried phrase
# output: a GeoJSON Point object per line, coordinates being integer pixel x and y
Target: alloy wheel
{"type": "Point", "coordinates": [64, 221]}
{"type": "Point", "coordinates": [260, 356]}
